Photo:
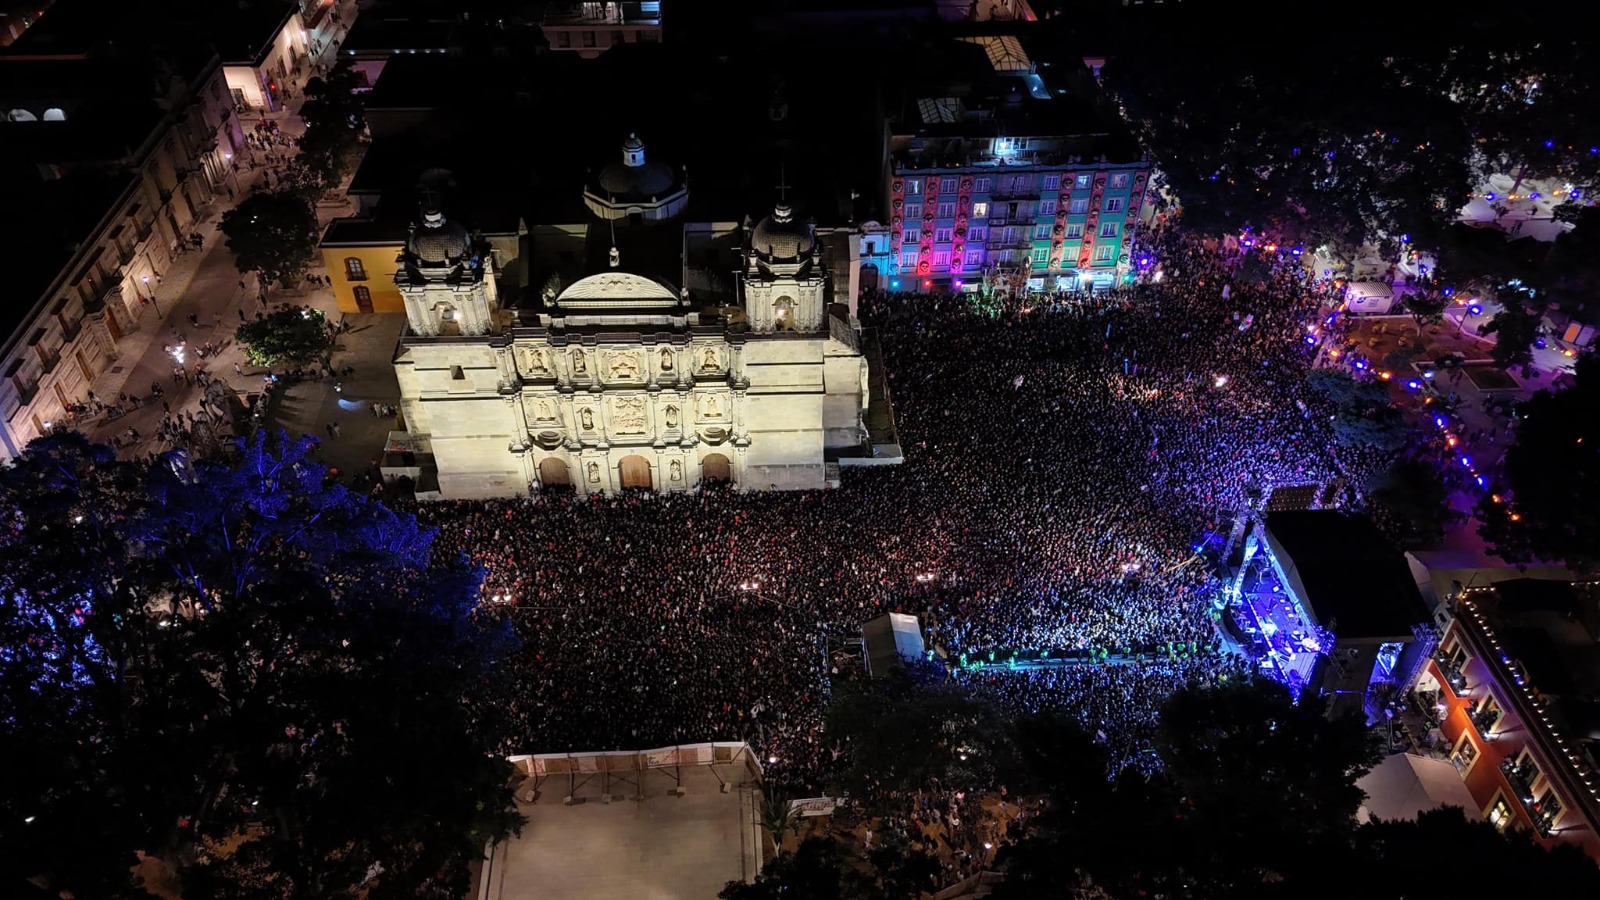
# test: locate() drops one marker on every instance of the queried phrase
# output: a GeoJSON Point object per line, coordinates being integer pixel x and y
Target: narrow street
{"type": "Point", "coordinates": [202, 299]}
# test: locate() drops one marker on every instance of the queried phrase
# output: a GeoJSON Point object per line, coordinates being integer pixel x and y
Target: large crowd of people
{"type": "Point", "coordinates": [1067, 461]}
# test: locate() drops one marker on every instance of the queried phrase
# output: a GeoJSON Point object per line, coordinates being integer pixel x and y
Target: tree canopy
{"type": "Point", "coordinates": [335, 119]}
{"type": "Point", "coordinates": [272, 233]}
{"type": "Point", "coordinates": [288, 336]}
{"type": "Point", "coordinates": [1550, 482]}
{"type": "Point", "coordinates": [242, 669]}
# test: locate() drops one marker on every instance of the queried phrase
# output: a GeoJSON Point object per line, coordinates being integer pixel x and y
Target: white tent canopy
{"type": "Point", "coordinates": [1406, 784]}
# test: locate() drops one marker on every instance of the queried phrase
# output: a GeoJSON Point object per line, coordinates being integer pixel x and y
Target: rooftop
{"type": "Point", "coordinates": [62, 214]}
{"type": "Point", "coordinates": [238, 31]}
{"type": "Point", "coordinates": [625, 835]}
{"type": "Point", "coordinates": [1353, 582]}
{"type": "Point", "coordinates": [1551, 633]}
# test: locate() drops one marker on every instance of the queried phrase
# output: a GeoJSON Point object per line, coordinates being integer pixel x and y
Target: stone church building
{"type": "Point", "coordinates": [625, 378]}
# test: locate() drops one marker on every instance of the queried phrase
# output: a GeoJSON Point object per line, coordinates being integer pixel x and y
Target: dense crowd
{"type": "Point", "coordinates": [1066, 461]}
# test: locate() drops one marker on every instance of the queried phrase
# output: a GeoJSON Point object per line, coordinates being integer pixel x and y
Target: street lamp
{"type": "Point", "coordinates": [151, 295]}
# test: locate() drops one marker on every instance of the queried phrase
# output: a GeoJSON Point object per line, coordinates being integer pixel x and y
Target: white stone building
{"type": "Point", "coordinates": [624, 380]}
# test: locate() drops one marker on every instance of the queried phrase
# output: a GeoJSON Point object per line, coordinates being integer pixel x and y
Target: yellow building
{"type": "Point", "coordinates": [362, 256]}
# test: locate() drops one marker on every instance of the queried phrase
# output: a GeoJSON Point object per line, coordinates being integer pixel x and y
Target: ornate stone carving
{"type": "Point", "coordinates": [708, 360]}
{"type": "Point", "coordinates": [536, 361]}
{"type": "Point", "coordinates": [677, 470]}
{"type": "Point", "coordinates": [586, 418]}
{"type": "Point", "coordinates": [627, 415]}
{"type": "Point", "coordinates": [594, 473]}
{"type": "Point", "coordinates": [580, 366]}
{"type": "Point", "coordinates": [544, 411]}
{"type": "Point", "coordinates": [666, 359]}
{"type": "Point", "coordinates": [624, 366]}
{"type": "Point", "coordinates": [672, 417]}
{"type": "Point", "coordinates": [710, 407]}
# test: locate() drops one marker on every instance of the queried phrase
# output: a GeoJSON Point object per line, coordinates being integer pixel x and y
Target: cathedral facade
{"type": "Point", "coordinates": [622, 379]}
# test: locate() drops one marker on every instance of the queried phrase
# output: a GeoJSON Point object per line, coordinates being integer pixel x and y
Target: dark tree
{"type": "Point", "coordinates": [288, 336]}
{"type": "Point", "coordinates": [814, 872]}
{"type": "Point", "coordinates": [253, 674]}
{"type": "Point", "coordinates": [335, 120]}
{"type": "Point", "coordinates": [1426, 307]}
{"type": "Point", "coordinates": [914, 729]}
{"type": "Point", "coordinates": [1412, 495]}
{"type": "Point", "coordinates": [1570, 276]}
{"type": "Point", "coordinates": [1363, 417]}
{"type": "Point", "coordinates": [273, 234]}
{"type": "Point", "coordinates": [1515, 330]}
{"type": "Point", "coordinates": [1386, 853]}
{"type": "Point", "coordinates": [1552, 477]}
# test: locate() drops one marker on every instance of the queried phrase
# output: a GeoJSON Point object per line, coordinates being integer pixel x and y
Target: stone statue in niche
{"type": "Point", "coordinates": [627, 416]}
{"type": "Point", "coordinates": [711, 407]}
{"type": "Point", "coordinates": [708, 360]}
{"type": "Point", "coordinates": [579, 367]}
{"type": "Point", "coordinates": [624, 365]}
{"type": "Point", "coordinates": [677, 470]}
{"type": "Point", "coordinates": [666, 360]}
{"type": "Point", "coordinates": [594, 473]}
{"type": "Point", "coordinates": [672, 417]}
{"type": "Point", "coordinates": [538, 363]}
{"type": "Point", "coordinates": [586, 417]}
{"type": "Point", "coordinates": [544, 411]}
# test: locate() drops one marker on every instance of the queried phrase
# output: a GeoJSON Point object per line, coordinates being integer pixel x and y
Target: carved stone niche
{"type": "Point", "coordinates": [624, 365]}
{"type": "Point", "coordinates": [534, 362]}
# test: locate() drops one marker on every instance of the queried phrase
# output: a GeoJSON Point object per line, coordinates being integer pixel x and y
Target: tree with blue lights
{"type": "Point", "coordinates": [244, 670]}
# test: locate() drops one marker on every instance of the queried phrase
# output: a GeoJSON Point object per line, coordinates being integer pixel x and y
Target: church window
{"type": "Point", "coordinates": [354, 269]}
{"type": "Point", "coordinates": [947, 185]}
{"type": "Point", "coordinates": [913, 186]}
{"type": "Point", "coordinates": [457, 374]}
{"type": "Point", "coordinates": [980, 209]}
{"type": "Point", "coordinates": [942, 235]}
{"type": "Point", "coordinates": [981, 185]}
{"type": "Point", "coordinates": [783, 314]}
{"type": "Point", "coordinates": [1052, 182]}
{"type": "Point", "coordinates": [947, 210]}
{"type": "Point", "coordinates": [1047, 207]}
{"type": "Point", "coordinates": [977, 233]}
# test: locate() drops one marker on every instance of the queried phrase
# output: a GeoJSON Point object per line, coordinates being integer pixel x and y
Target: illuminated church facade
{"type": "Point", "coordinates": [623, 379]}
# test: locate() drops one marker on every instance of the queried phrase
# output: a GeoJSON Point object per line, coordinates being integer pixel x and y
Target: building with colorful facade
{"type": "Point", "coordinates": [1510, 697]}
{"type": "Point", "coordinates": [1003, 166]}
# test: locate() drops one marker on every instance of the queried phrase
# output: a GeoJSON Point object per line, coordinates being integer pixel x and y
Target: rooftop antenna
{"type": "Point", "coordinates": [782, 186]}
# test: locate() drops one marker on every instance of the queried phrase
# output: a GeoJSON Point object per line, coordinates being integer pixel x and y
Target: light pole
{"type": "Point", "coordinates": [151, 296]}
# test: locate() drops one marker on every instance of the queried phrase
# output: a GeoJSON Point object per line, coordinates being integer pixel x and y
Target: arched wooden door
{"type": "Point", "coordinates": [716, 468]}
{"type": "Point", "coordinates": [553, 473]}
{"type": "Point", "coordinates": [634, 472]}
{"type": "Point", "coordinates": [869, 277]}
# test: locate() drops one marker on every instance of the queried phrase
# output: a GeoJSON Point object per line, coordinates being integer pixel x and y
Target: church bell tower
{"type": "Point", "coordinates": [783, 280]}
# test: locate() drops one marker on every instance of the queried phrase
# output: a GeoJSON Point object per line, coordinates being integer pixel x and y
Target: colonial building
{"type": "Point", "coordinates": [1001, 166]}
{"type": "Point", "coordinates": [1509, 700]}
{"type": "Point", "coordinates": [626, 378]}
{"type": "Point", "coordinates": [115, 161]}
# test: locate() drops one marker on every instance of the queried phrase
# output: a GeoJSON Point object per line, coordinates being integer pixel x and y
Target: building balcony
{"type": "Point", "coordinates": [70, 329]}
{"type": "Point", "coordinates": [26, 391]}
{"type": "Point", "coordinates": [1451, 672]}
{"type": "Point", "coordinates": [1484, 718]}
{"type": "Point", "coordinates": [1521, 779]}
{"type": "Point", "coordinates": [48, 362]}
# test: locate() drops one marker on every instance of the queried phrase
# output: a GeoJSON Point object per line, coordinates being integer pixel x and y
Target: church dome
{"type": "Point", "coordinates": [439, 240]}
{"type": "Point", "coordinates": [635, 176]}
{"type": "Point", "coordinates": [781, 236]}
